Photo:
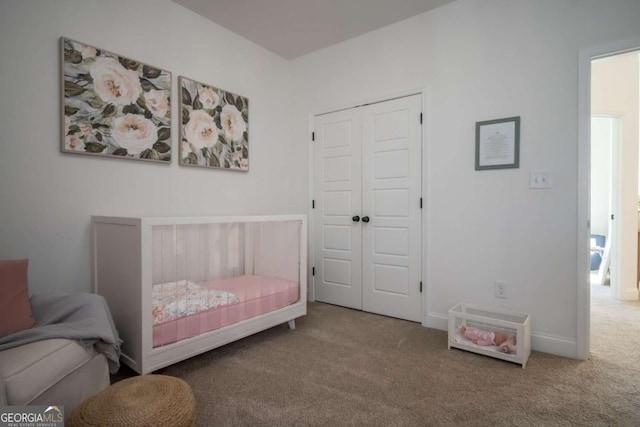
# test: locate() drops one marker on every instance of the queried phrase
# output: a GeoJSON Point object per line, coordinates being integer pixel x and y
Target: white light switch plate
{"type": "Point", "coordinates": [539, 179]}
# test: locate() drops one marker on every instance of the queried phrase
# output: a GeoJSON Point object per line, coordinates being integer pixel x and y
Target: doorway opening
{"type": "Point", "coordinates": [605, 159]}
{"type": "Point", "coordinates": [614, 194]}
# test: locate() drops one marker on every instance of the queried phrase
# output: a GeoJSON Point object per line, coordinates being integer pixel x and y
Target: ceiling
{"type": "Point", "coordinates": [292, 28]}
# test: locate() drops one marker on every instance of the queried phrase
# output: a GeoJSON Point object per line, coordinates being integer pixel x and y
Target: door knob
{"type": "Point", "coordinates": [365, 219]}
{"type": "Point", "coordinates": [356, 218]}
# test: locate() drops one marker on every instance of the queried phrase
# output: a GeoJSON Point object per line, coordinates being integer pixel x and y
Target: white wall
{"type": "Point", "coordinates": [47, 198]}
{"type": "Point", "coordinates": [485, 60]}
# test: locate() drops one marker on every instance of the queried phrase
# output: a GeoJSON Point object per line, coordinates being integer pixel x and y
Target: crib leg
{"type": "Point", "coordinates": [292, 324]}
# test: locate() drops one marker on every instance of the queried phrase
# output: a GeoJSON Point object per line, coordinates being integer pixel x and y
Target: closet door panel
{"type": "Point", "coordinates": [391, 191]}
{"type": "Point", "coordinates": [338, 197]}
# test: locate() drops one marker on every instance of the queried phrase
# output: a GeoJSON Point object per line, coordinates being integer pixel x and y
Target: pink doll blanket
{"type": "Point", "coordinates": [480, 337]}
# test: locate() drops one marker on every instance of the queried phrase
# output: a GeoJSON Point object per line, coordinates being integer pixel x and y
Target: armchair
{"type": "Point", "coordinates": [65, 357]}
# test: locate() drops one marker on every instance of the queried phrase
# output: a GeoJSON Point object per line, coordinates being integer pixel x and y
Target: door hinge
{"type": "Point", "coordinates": [313, 136]}
{"type": "Point", "coordinates": [420, 287]}
{"type": "Point", "coordinates": [420, 118]}
{"type": "Point", "coordinates": [613, 216]}
{"type": "Point", "coordinates": [313, 271]}
{"type": "Point", "coordinates": [420, 202]}
{"type": "Point", "coordinates": [313, 204]}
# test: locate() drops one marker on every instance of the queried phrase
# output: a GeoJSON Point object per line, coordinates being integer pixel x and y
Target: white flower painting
{"type": "Point", "coordinates": [214, 127]}
{"type": "Point", "coordinates": [114, 106]}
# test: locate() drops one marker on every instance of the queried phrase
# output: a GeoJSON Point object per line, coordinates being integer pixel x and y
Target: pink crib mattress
{"type": "Point", "coordinates": [256, 295]}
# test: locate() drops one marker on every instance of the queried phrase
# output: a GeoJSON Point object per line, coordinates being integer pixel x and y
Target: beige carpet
{"type": "Point", "coordinates": [345, 367]}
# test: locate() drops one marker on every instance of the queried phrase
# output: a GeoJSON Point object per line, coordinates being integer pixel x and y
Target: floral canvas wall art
{"type": "Point", "coordinates": [214, 128]}
{"type": "Point", "coordinates": [114, 106]}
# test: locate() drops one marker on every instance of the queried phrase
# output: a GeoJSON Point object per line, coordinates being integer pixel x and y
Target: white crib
{"type": "Point", "coordinates": [178, 287]}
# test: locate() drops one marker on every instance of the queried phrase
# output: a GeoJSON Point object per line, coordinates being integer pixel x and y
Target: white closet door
{"type": "Point", "coordinates": [391, 190]}
{"type": "Point", "coordinates": [338, 197]}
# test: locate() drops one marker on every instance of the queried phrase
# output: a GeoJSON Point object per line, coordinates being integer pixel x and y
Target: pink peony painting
{"type": "Point", "coordinates": [214, 127]}
{"type": "Point", "coordinates": [113, 106]}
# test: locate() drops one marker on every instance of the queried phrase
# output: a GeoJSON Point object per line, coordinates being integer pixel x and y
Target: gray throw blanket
{"type": "Point", "coordinates": [82, 317]}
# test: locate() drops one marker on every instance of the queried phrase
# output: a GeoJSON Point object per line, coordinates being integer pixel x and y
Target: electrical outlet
{"type": "Point", "coordinates": [500, 289]}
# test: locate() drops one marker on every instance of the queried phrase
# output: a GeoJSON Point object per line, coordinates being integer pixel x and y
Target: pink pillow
{"type": "Point", "coordinates": [15, 309]}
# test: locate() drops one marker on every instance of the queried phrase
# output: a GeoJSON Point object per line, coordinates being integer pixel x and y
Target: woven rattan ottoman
{"type": "Point", "coordinates": [147, 400]}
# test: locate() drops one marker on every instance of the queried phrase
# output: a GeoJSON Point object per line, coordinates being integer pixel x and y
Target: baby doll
{"type": "Point", "coordinates": [484, 338]}
{"type": "Point", "coordinates": [509, 346]}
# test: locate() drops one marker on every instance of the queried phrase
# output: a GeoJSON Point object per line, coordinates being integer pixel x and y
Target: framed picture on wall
{"type": "Point", "coordinates": [214, 127]}
{"type": "Point", "coordinates": [113, 106]}
{"type": "Point", "coordinates": [498, 144]}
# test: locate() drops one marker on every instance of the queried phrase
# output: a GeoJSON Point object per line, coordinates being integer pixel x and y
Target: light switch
{"type": "Point", "coordinates": [539, 179]}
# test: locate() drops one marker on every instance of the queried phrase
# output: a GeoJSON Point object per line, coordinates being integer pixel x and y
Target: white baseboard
{"type": "Point", "coordinates": [629, 295]}
{"type": "Point", "coordinates": [539, 342]}
{"type": "Point", "coordinates": [437, 321]}
{"type": "Point", "coordinates": [553, 345]}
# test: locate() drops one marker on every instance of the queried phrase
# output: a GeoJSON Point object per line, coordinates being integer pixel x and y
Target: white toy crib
{"type": "Point", "coordinates": [178, 287]}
